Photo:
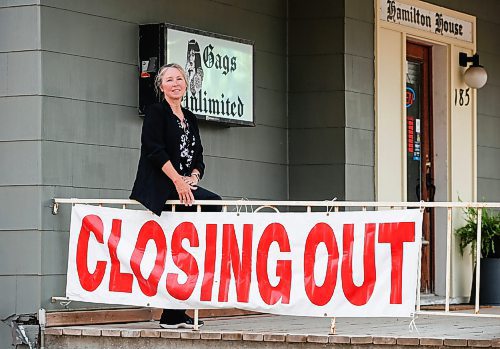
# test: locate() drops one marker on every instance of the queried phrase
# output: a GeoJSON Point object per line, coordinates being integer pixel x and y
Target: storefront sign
{"type": "Point", "coordinates": [312, 264]}
{"type": "Point", "coordinates": [220, 74]}
{"type": "Point", "coordinates": [430, 21]}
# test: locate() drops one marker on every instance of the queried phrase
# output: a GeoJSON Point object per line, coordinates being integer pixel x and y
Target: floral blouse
{"type": "Point", "coordinates": [187, 146]}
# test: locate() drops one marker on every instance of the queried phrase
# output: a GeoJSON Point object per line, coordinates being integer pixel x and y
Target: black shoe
{"type": "Point", "coordinates": [188, 322]}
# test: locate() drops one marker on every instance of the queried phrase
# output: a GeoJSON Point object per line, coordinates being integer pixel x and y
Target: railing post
{"type": "Point", "coordinates": [196, 327]}
{"type": "Point", "coordinates": [478, 258]}
{"type": "Point", "coordinates": [448, 261]}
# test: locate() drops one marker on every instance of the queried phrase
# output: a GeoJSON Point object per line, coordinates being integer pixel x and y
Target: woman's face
{"type": "Point", "coordinates": [173, 84]}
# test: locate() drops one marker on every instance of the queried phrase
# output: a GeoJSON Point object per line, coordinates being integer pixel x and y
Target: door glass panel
{"type": "Point", "coordinates": [413, 131]}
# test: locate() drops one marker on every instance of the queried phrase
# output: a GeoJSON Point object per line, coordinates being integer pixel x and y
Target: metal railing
{"type": "Point", "coordinates": [336, 206]}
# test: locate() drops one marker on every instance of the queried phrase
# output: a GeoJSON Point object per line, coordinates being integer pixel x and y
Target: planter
{"type": "Point", "coordinates": [489, 289]}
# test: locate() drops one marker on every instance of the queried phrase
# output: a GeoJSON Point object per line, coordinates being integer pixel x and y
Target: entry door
{"type": "Point", "coordinates": [420, 174]}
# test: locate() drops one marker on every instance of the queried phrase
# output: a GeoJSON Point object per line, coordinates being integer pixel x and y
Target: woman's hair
{"type": "Point", "coordinates": [162, 71]}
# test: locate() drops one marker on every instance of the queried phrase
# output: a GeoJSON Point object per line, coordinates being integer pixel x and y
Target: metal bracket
{"type": "Point", "coordinates": [332, 326]}
{"type": "Point", "coordinates": [55, 207]}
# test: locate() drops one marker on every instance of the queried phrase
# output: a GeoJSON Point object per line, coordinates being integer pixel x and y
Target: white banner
{"type": "Point", "coordinates": [220, 74]}
{"type": "Point", "coordinates": [348, 264]}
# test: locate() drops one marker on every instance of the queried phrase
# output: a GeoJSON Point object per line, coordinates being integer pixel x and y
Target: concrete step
{"type": "Point", "coordinates": [271, 331]}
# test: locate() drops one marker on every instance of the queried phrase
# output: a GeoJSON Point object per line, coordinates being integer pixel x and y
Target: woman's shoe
{"type": "Point", "coordinates": [188, 322]}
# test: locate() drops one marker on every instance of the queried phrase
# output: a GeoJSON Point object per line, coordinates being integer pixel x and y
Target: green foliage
{"type": "Point", "coordinates": [490, 232]}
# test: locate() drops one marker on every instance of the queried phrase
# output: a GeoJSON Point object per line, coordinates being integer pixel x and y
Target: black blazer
{"type": "Point", "coordinates": [160, 142]}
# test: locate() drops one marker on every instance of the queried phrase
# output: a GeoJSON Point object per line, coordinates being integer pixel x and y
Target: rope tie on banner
{"type": "Point", "coordinates": [239, 208]}
{"type": "Point", "coordinates": [65, 304]}
{"type": "Point", "coordinates": [421, 207]}
{"type": "Point", "coordinates": [413, 325]}
{"type": "Point", "coordinates": [266, 206]}
{"type": "Point", "coordinates": [328, 207]}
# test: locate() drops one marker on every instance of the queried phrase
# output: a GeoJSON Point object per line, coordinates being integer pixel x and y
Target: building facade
{"type": "Point", "coordinates": [330, 82]}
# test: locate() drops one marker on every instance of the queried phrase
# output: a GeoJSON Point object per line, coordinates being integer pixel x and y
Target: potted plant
{"type": "Point", "coordinates": [489, 289]}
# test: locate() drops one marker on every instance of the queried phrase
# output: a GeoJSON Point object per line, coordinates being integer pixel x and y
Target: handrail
{"type": "Point", "coordinates": [325, 203]}
{"type": "Point", "coordinates": [329, 205]}
{"type": "Point", "coordinates": [293, 203]}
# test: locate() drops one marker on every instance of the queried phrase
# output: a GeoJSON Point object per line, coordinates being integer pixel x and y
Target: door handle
{"type": "Point", "coordinates": [431, 188]}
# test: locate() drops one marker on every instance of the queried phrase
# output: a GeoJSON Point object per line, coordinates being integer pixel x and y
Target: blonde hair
{"type": "Point", "coordinates": [161, 72]}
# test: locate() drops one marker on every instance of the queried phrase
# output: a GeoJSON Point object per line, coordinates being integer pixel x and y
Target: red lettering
{"type": "Point", "coordinates": [118, 281]}
{"type": "Point", "coordinates": [230, 259]}
{"type": "Point", "coordinates": [209, 270]}
{"type": "Point", "coordinates": [89, 281]}
{"type": "Point", "coordinates": [149, 231]}
{"type": "Point", "coordinates": [184, 261]}
{"type": "Point", "coordinates": [274, 232]}
{"type": "Point", "coordinates": [320, 295]}
{"type": "Point", "coordinates": [359, 295]}
{"type": "Point", "coordinates": [396, 234]}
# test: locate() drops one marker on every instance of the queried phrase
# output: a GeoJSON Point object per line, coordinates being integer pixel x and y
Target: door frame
{"type": "Point", "coordinates": [421, 53]}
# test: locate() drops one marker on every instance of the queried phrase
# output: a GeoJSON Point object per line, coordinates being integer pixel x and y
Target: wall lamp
{"type": "Point", "coordinates": [475, 76]}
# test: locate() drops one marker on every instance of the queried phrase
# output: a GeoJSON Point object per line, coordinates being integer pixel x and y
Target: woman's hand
{"type": "Point", "coordinates": [192, 180]}
{"type": "Point", "coordinates": [184, 190]}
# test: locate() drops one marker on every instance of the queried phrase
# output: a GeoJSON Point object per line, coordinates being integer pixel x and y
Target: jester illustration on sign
{"type": "Point", "coordinates": [194, 69]}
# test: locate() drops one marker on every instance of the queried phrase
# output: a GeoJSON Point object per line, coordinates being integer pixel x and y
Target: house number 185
{"type": "Point", "coordinates": [462, 97]}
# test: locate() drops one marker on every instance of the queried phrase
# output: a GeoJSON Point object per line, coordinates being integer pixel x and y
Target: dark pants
{"type": "Point", "coordinates": [177, 315]}
{"type": "Point", "coordinates": [199, 194]}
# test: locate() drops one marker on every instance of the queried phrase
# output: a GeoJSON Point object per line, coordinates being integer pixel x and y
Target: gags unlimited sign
{"type": "Point", "coordinates": [220, 74]}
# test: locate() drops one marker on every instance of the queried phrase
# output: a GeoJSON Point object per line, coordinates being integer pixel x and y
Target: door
{"type": "Point", "coordinates": [419, 159]}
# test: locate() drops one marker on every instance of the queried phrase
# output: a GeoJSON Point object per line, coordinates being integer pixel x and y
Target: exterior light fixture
{"type": "Point", "coordinates": [475, 76]}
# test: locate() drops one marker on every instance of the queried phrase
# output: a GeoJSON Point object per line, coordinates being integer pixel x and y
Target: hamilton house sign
{"type": "Point", "coordinates": [431, 21]}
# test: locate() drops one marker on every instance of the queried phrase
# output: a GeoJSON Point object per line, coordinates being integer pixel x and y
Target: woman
{"type": "Point", "coordinates": [171, 162]}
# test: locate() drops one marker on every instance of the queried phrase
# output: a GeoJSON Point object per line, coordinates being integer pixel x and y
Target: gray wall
{"type": "Point", "coordinates": [316, 100]}
{"type": "Point", "coordinates": [331, 75]}
{"type": "Point", "coordinates": [91, 129]}
{"type": "Point", "coordinates": [70, 127]}
{"type": "Point", "coordinates": [359, 97]}
{"type": "Point", "coordinates": [20, 159]}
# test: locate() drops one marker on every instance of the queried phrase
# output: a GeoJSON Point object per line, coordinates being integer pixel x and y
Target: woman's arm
{"type": "Point", "coordinates": [198, 164]}
{"type": "Point", "coordinates": [153, 142]}
{"type": "Point", "coordinates": [184, 189]}
{"type": "Point", "coordinates": [153, 138]}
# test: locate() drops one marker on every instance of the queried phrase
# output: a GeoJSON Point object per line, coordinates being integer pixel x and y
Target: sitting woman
{"type": "Point", "coordinates": [171, 162]}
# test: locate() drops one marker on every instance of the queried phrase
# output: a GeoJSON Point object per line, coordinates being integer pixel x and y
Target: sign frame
{"type": "Point", "coordinates": [201, 116]}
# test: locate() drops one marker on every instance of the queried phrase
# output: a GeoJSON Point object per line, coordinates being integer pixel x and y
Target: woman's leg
{"type": "Point", "coordinates": [204, 194]}
{"type": "Point", "coordinates": [172, 318]}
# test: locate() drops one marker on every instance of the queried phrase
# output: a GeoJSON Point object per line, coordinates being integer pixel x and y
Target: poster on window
{"type": "Point", "coordinates": [219, 71]}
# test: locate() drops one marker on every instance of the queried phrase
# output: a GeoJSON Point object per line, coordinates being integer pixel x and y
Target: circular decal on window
{"type": "Point", "coordinates": [410, 96]}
